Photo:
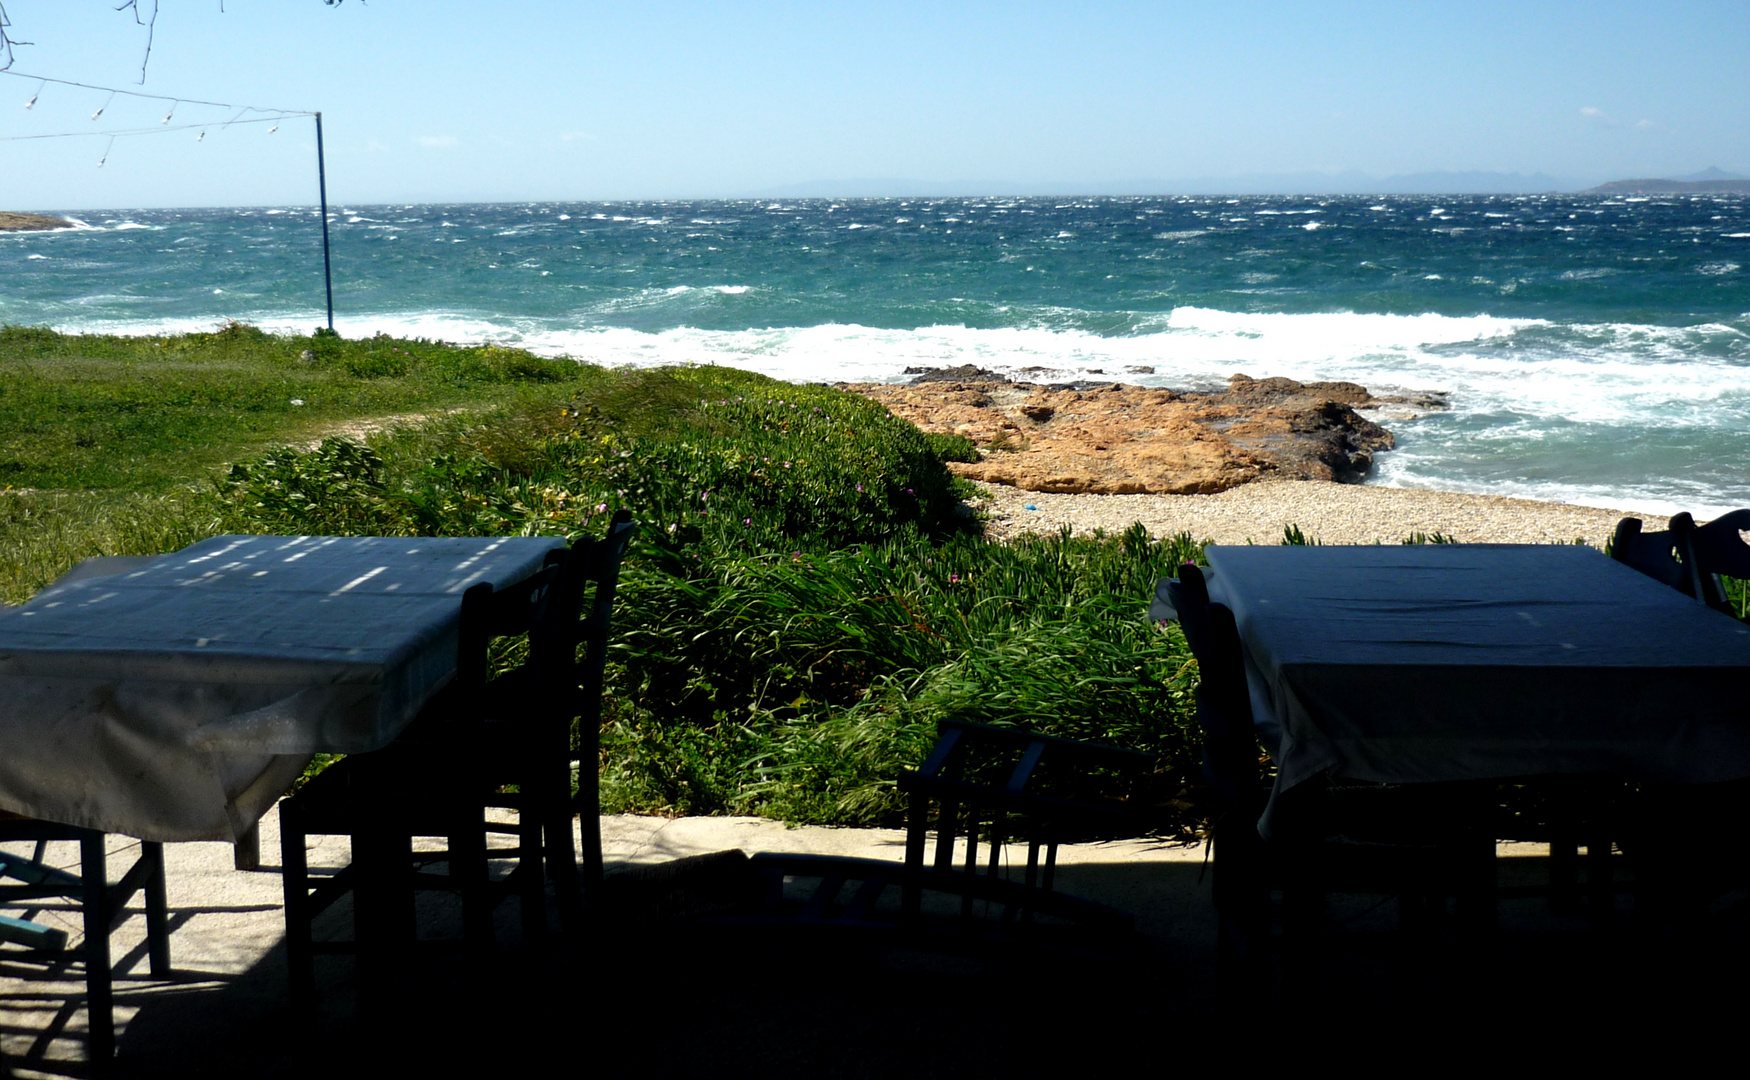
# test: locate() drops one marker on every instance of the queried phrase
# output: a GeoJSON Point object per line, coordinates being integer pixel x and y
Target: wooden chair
{"type": "Point", "coordinates": [24, 882]}
{"type": "Point", "coordinates": [567, 742]}
{"type": "Point", "coordinates": [436, 780]}
{"type": "Point", "coordinates": [1720, 549]}
{"type": "Point", "coordinates": [1011, 784]}
{"type": "Point", "coordinates": [102, 905]}
{"type": "Point", "coordinates": [487, 742]}
{"type": "Point", "coordinates": [1665, 556]}
{"type": "Point", "coordinates": [1421, 843]}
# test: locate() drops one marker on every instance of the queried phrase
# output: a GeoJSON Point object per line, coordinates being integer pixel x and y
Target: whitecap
{"type": "Point", "coordinates": [1311, 225]}
{"type": "Point", "coordinates": [1716, 269]}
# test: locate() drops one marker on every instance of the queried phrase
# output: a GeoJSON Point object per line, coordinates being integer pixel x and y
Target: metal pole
{"type": "Point", "coordinates": [322, 186]}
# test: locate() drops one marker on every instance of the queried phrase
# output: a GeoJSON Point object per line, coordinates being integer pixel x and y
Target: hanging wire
{"type": "Point", "coordinates": [270, 116]}
{"type": "Point", "coordinates": [156, 97]}
{"type": "Point", "coordinates": [122, 132]}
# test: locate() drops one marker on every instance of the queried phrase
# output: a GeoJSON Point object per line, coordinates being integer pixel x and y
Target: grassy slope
{"type": "Point", "coordinates": [150, 414]}
{"type": "Point", "coordinates": [108, 444]}
{"type": "Point", "coordinates": [804, 609]}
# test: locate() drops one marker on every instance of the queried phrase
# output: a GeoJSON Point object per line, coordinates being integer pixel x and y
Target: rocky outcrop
{"type": "Point", "coordinates": [1117, 439]}
{"type": "Point", "coordinates": [13, 222]}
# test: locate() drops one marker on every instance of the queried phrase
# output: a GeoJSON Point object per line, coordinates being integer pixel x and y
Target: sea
{"type": "Point", "coordinates": [1590, 349]}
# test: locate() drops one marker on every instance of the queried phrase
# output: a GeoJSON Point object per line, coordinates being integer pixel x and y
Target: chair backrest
{"type": "Point", "coordinates": [584, 619]}
{"type": "Point", "coordinates": [1665, 556]}
{"type": "Point", "coordinates": [1224, 707]}
{"type": "Point", "coordinates": [555, 608]}
{"type": "Point", "coordinates": [490, 612]}
{"type": "Point", "coordinates": [1721, 548]}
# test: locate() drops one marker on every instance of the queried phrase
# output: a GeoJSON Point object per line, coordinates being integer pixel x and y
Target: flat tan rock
{"type": "Point", "coordinates": [15, 222]}
{"type": "Point", "coordinates": [1121, 439]}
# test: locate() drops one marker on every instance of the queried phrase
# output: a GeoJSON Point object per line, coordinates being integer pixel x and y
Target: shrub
{"type": "Point", "coordinates": [809, 597]}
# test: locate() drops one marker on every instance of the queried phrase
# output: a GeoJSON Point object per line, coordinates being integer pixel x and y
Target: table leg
{"type": "Point", "coordinates": [99, 988]}
{"type": "Point", "coordinates": [384, 915]}
{"type": "Point", "coordinates": [246, 852]}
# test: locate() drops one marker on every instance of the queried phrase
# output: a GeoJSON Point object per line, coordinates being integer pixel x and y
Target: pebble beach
{"type": "Point", "coordinates": [1327, 512]}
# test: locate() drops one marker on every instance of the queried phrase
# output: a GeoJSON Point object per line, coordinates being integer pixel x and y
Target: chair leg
{"type": "Point", "coordinates": [471, 875]}
{"type": "Point", "coordinates": [1600, 886]}
{"type": "Point", "coordinates": [531, 879]}
{"type": "Point", "coordinates": [1564, 873]}
{"type": "Point", "coordinates": [295, 876]}
{"type": "Point", "coordinates": [99, 987]}
{"type": "Point", "coordinates": [562, 854]}
{"type": "Point", "coordinates": [157, 910]}
{"type": "Point", "coordinates": [587, 804]}
{"type": "Point", "coordinates": [912, 891]}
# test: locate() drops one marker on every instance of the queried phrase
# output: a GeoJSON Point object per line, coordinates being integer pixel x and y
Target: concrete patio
{"type": "Point", "coordinates": [704, 999]}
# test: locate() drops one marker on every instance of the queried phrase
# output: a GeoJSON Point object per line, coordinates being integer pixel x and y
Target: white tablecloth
{"type": "Point", "coordinates": [179, 700]}
{"type": "Point", "coordinates": [1454, 662]}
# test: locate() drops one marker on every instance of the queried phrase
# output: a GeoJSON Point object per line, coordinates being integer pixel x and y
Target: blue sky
{"type": "Point", "coordinates": [447, 100]}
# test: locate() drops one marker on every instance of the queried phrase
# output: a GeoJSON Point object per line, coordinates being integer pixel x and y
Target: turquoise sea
{"type": "Point", "coordinates": [1593, 349]}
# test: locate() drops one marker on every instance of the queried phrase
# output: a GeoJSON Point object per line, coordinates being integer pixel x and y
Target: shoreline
{"type": "Point", "coordinates": [1328, 512]}
{"type": "Point", "coordinates": [12, 221]}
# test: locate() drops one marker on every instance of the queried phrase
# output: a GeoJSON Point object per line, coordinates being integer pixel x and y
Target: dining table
{"type": "Point", "coordinates": [1440, 662]}
{"type": "Point", "coordinates": [179, 699]}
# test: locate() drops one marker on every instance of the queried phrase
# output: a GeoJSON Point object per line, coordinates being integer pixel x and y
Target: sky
{"type": "Point", "coordinates": [463, 101]}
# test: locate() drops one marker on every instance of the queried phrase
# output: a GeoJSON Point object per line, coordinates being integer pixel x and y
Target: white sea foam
{"type": "Point", "coordinates": [1511, 382]}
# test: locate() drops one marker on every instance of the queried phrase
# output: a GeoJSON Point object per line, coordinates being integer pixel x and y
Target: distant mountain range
{"type": "Point", "coordinates": [1310, 183]}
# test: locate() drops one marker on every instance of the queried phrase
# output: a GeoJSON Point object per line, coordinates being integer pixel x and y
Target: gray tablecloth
{"type": "Point", "coordinates": [1452, 662]}
{"type": "Point", "coordinates": [177, 701]}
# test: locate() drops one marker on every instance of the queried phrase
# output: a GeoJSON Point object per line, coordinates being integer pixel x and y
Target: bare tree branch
{"type": "Point", "coordinates": [149, 21]}
{"type": "Point", "coordinates": [7, 41]}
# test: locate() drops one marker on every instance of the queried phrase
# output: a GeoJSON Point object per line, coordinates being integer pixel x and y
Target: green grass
{"type": "Point", "coordinates": [147, 414]}
{"type": "Point", "coordinates": [807, 599]}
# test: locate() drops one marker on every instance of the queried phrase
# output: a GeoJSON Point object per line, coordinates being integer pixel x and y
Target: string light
{"type": "Point", "coordinates": [273, 117]}
{"type": "Point", "coordinates": [106, 147]}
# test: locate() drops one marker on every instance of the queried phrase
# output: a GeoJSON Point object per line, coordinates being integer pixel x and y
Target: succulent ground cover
{"type": "Point", "coordinates": [807, 597]}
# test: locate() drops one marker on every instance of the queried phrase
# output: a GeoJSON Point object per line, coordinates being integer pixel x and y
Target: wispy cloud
{"type": "Point", "coordinates": [1591, 110]}
{"type": "Point", "coordinates": [436, 142]}
{"type": "Point", "coordinates": [573, 136]}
